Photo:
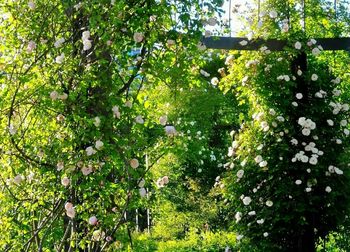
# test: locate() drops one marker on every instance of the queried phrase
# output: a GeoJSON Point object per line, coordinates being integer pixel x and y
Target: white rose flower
{"type": "Point", "coordinates": [54, 95]}
{"type": "Point", "coordinates": [60, 165]}
{"type": "Point", "coordinates": [160, 183]}
{"type": "Point", "coordinates": [142, 192]}
{"type": "Point", "coordinates": [86, 170]}
{"type": "Point", "coordinates": [269, 203]}
{"type": "Point", "coordinates": [70, 212]}
{"type": "Point", "coordinates": [98, 144]}
{"type": "Point", "coordinates": [116, 112]}
{"type": "Point", "coordinates": [285, 27]}
{"type": "Point", "coordinates": [308, 189]}
{"type": "Point", "coordinates": [85, 35]}
{"type": "Point", "coordinates": [68, 206]}
{"type": "Point", "coordinates": [304, 159]}
{"type": "Point", "coordinates": [240, 173]}
{"type": "Point", "coordinates": [343, 123]}
{"type": "Point", "coordinates": [273, 14]}
{"type": "Point", "coordinates": [280, 118]}
{"type": "Point", "coordinates": [316, 51]}
{"type": "Point", "coordinates": [142, 183]}
{"type": "Point", "coordinates": [165, 180]}
{"type": "Point", "coordinates": [90, 151]}
{"type": "Point", "coordinates": [261, 221]}
{"type": "Point", "coordinates": [134, 163]}
{"type": "Point", "coordinates": [297, 45]}
{"type": "Point", "coordinates": [138, 37]}
{"type": "Point", "coordinates": [306, 132]}
{"type": "Point", "coordinates": [294, 141]}
{"type": "Point", "coordinates": [65, 181]}
{"type": "Point", "coordinates": [263, 164]}
{"type": "Point", "coordinates": [139, 119]}
{"type": "Point", "coordinates": [238, 238]}
{"type": "Point", "coordinates": [298, 182]}
{"type": "Point", "coordinates": [204, 73]}
{"type": "Point", "coordinates": [87, 44]}
{"type": "Point", "coordinates": [229, 60]}
{"type": "Point", "coordinates": [59, 59]}
{"type": "Point", "coordinates": [336, 80]}
{"type": "Point", "coordinates": [97, 121]}
{"type": "Point", "coordinates": [170, 130]}
{"type": "Point", "coordinates": [302, 121]}
{"type": "Point", "coordinates": [258, 159]}
{"type": "Point", "coordinates": [93, 220]}
{"type": "Point", "coordinates": [330, 122]}
{"type": "Point", "coordinates": [299, 72]}
{"type": "Point", "coordinates": [31, 5]}
{"type": "Point", "coordinates": [252, 213]}
{"type": "Point", "coordinates": [314, 77]}
{"type": "Point", "coordinates": [214, 81]}
{"type": "Point", "coordinates": [243, 43]}
{"type": "Point", "coordinates": [266, 234]}
{"type": "Point", "coordinates": [63, 96]}
{"type": "Point", "coordinates": [336, 92]}
{"type": "Point", "coordinates": [238, 216]}
{"type": "Point", "coordinates": [313, 160]}
{"type": "Point", "coordinates": [59, 42]}
{"type": "Point", "coordinates": [299, 96]}
{"type": "Point", "coordinates": [247, 201]}
{"type": "Point", "coordinates": [338, 171]}
{"type": "Point", "coordinates": [328, 189]}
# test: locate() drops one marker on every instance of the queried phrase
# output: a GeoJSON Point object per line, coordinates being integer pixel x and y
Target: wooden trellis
{"type": "Point", "coordinates": [233, 43]}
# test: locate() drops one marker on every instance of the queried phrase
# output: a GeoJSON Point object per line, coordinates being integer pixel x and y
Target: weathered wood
{"type": "Point", "coordinates": [233, 43]}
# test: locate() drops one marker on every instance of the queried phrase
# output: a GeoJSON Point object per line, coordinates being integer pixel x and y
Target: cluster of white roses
{"type": "Point", "coordinates": [54, 95]}
{"type": "Point", "coordinates": [333, 169]}
{"type": "Point", "coordinates": [302, 157]}
{"type": "Point", "coordinates": [70, 211]}
{"type": "Point", "coordinates": [142, 189]}
{"type": "Point", "coordinates": [87, 44]}
{"type": "Point", "coordinates": [259, 160]}
{"type": "Point", "coordinates": [337, 107]}
{"type": "Point", "coordinates": [161, 182]}
{"type": "Point", "coordinates": [307, 125]}
{"type": "Point", "coordinates": [90, 149]}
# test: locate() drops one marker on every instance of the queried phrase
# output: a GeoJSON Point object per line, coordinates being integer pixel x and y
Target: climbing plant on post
{"type": "Point", "coordinates": [288, 183]}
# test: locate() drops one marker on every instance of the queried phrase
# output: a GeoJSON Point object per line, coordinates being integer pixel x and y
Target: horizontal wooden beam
{"type": "Point", "coordinates": [232, 43]}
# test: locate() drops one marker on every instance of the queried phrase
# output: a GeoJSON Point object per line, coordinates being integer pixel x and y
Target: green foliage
{"type": "Point", "coordinates": [75, 118]}
{"type": "Point", "coordinates": [194, 241]}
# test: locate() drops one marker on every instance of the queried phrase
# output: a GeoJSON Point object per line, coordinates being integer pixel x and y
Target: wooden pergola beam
{"type": "Point", "coordinates": [232, 43]}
